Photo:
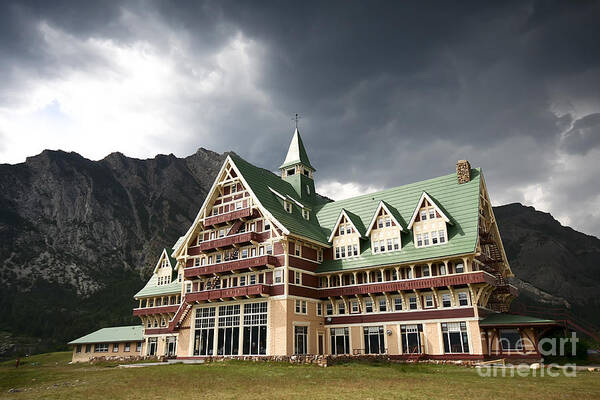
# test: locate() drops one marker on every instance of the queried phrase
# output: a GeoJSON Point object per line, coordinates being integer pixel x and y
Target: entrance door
{"type": "Point", "coordinates": [171, 347]}
{"type": "Point", "coordinates": [320, 343]}
{"type": "Point", "coordinates": [152, 344]}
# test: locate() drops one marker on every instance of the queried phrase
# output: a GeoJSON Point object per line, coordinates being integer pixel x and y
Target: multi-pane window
{"type": "Point", "coordinates": [350, 250]}
{"type": "Point", "coordinates": [288, 206]}
{"type": "Point", "coordinates": [115, 347]}
{"type": "Point", "coordinates": [254, 341]}
{"type": "Point", "coordinates": [305, 214]}
{"type": "Point", "coordinates": [463, 299]}
{"type": "Point", "coordinates": [300, 306]}
{"type": "Point", "coordinates": [446, 300]}
{"type": "Point", "coordinates": [229, 330]}
{"type": "Point", "coordinates": [297, 278]}
{"type": "Point", "coordinates": [398, 304]}
{"type": "Point", "coordinates": [410, 336]}
{"type": "Point", "coordinates": [319, 309]}
{"type": "Point", "coordinates": [355, 308]}
{"type": "Point", "coordinates": [459, 268]}
{"type": "Point", "coordinates": [127, 347]}
{"type": "Point", "coordinates": [382, 305]}
{"type": "Point", "coordinates": [374, 340]}
{"type": "Point", "coordinates": [267, 226]}
{"type": "Point", "coordinates": [78, 348]}
{"type": "Point", "coordinates": [426, 271]}
{"type": "Point", "coordinates": [329, 309]}
{"type": "Point", "coordinates": [456, 339]}
{"type": "Point", "coordinates": [442, 236]}
{"type": "Point", "coordinates": [442, 269]}
{"type": "Point", "coordinates": [412, 302]}
{"type": "Point", "coordinates": [428, 301]}
{"type": "Point", "coordinates": [368, 306]}
{"type": "Point", "coordinates": [278, 276]}
{"type": "Point", "coordinates": [340, 341]}
{"type": "Point", "coordinates": [298, 249]}
{"type": "Point", "coordinates": [138, 347]}
{"type": "Point", "coordinates": [101, 348]}
{"type": "Point", "coordinates": [300, 339]}
{"type": "Point", "coordinates": [204, 331]}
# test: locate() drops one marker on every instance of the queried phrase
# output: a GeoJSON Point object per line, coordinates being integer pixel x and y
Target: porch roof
{"type": "Point", "coordinates": [503, 319]}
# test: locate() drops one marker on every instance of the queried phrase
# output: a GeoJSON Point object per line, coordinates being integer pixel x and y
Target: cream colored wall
{"type": "Point", "coordinates": [314, 322]}
{"type": "Point", "coordinates": [85, 357]}
{"type": "Point", "coordinates": [420, 227]}
{"type": "Point", "coordinates": [391, 232]}
{"type": "Point", "coordinates": [277, 327]}
{"type": "Point", "coordinates": [476, 342]}
{"type": "Point", "coordinates": [184, 340]}
{"type": "Point", "coordinates": [346, 239]}
{"type": "Point", "coordinates": [393, 340]}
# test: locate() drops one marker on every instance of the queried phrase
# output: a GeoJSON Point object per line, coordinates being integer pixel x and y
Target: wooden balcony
{"type": "Point", "coordinates": [230, 216]}
{"type": "Point", "coordinates": [245, 264]}
{"type": "Point", "coordinates": [411, 284]}
{"type": "Point", "coordinates": [237, 292]}
{"type": "Point", "coordinates": [172, 308]}
{"type": "Point", "coordinates": [225, 242]}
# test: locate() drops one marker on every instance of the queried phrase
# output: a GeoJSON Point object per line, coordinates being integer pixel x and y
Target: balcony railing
{"type": "Point", "coordinates": [226, 217]}
{"type": "Point", "coordinates": [233, 265]}
{"type": "Point", "coordinates": [224, 242]}
{"type": "Point", "coordinates": [171, 308]}
{"type": "Point", "coordinates": [244, 291]}
{"type": "Point", "coordinates": [410, 284]}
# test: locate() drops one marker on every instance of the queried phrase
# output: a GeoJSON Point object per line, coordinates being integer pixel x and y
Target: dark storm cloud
{"type": "Point", "coordinates": [382, 86]}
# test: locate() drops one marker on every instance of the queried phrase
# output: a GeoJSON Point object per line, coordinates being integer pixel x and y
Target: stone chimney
{"type": "Point", "coordinates": [463, 171]}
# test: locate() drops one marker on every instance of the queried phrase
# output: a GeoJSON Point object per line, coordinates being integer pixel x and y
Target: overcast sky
{"type": "Point", "coordinates": [389, 92]}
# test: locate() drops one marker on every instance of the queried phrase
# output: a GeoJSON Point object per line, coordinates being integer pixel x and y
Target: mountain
{"type": "Point", "coordinates": [78, 238]}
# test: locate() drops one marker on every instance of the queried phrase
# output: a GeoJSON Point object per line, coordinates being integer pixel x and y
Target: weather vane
{"type": "Point", "coordinates": [296, 119]}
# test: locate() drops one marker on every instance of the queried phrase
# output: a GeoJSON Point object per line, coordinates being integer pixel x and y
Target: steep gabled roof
{"type": "Point", "coordinates": [424, 196]}
{"type": "Point", "coordinates": [459, 200]}
{"type": "Point", "coordinates": [134, 333]}
{"type": "Point", "coordinates": [388, 209]}
{"type": "Point", "coordinates": [152, 288]}
{"type": "Point", "coordinates": [165, 253]}
{"type": "Point", "coordinates": [354, 220]}
{"type": "Point", "coordinates": [296, 153]}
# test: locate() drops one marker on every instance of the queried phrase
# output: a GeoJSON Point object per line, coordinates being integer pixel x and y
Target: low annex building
{"type": "Point", "coordinates": [271, 268]}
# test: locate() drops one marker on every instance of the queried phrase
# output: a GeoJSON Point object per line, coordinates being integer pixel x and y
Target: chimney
{"type": "Point", "coordinates": [463, 171]}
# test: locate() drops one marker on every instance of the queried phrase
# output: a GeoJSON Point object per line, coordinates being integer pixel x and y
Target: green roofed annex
{"type": "Point", "coordinates": [271, 268]}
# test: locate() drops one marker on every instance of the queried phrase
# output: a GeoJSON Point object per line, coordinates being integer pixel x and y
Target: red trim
{"type": "Point", "coordinates": [302, 263]}
{"type": "Point", "coordinates": [155, 310]}
{"type": "Point", "coordinates": [220, 219]}
{"type": "Point", "coordinates": [243, 264]}
{"type": "Point", "coordinates": [226, 241]}
{"type": "Point", "coordinates": [252, 290]}
{"type": "Point", "coordinates": [401, 316]}
{"type": "Point", "coordinates": [156, 331]}
{"type": "Point", "coordinates": [381, 287]}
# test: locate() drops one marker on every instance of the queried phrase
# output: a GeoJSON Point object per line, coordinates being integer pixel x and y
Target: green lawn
{"type": "Point", "coordinates": [49, 376]}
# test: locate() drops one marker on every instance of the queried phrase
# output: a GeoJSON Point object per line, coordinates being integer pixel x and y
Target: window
{"type": "Point", "coordinates": [460, 268]}
{"type": "Point", "coordinates": [252, 280]}
{"type": "Point", "coordinates": [426, 239]}
{"type": "Point", "coordinates": [382, 305]}
{"type": "Point", "coordinates": [320, 255]}
{"type": "Point", "coordinates": [88, 348]}
{"type": "Point", "coordinates": [446, 300]}
{"type": "Point", "coordinates": [419, 240]}
{"type": "Point", "coordinates": [229, 330]}
{"type": "Point", "coordinates": [218, 258]}
{"type": "Point", "coordinates": [412, 302]}
{"type": "Point", "coordinates": [341, 308]}
{"type": "Point", "coordinates": [329, 309]}
{"type": "Point", "coordinates": [301, 307]}
{"type": "Point", "coordinates": [342, 230]}
{"type": "Point", "coordinates": [288, 206]}
{"type": "Point", "coordinates": [410, 336]}
{"type": "Point", "coordinates": [319, 309]}
{"type": "Point", "coordinates": [340, 341]}
{"type": "Point", "coordinates": [355, 309]}
{"type": "Point", "coordinates": [463, 299]}
{"type": "Point", "coordinates": [290, 171]}
{"type": "Point", "coordinates": [138, 347]}
{"type": "Point", "coordinates": [442, 269]}
{"type": "Point", "coordinates": [278, 276]}
{"type": "Point", "coordinates": [398, 304]}
{"type": "Point", "coordinates": [188, 287]}
{"type": "Point", "coordinates": [101, 348]}
{"type": "Point", "coordinates": [388, 222]}
{"type": "Point", "coordinates": [375, 246]}
{"type": "Point", "coordinates": [442, 236]}
{"type": "Point", "coordinates": [300, 339]}
{"type": "Point", "coordinates": [431, 213]}
{"type": "Point", "coordinates": [423, 215]}
{"type": "Point", "coordinates": [355, 250]}
{"type": "Point", "coordinates": [244, 253]}
{"type": "Point", "coordinates": [238, 205]}
{"type": "Point", "coordinates": [368, 306]}
{"type": "Point", "coordinates": [307, 186]}
{"type": "Point", "coordinates": [510, 339]}
{"type": "Point", "coordinates": [298, 249]}
{"type": "Point", "coordinates": [78, 348]}
{"type": "Point", "coordinates": [270, 249]}
{"type": "Point", "coordinates": [233, 188]}
{"type": "Point", "coordinates": [434, 238]}
{"type": "Point", "coordinates": [380, 222]}
{"type": "Point", "coordinates": [396, 244]}
{"type": "Point", "coordinates": [127, 347]}
{"type": "Point", "coordinates": [428, 301]}
{"type": "Point", "coordinates": [267, 225]}
{"type": "Point", "coordinates": [204, 331]}
{"type": "Point", "coordinates": [389, 245]}
{"type": "Point", "coordinates": [426, 270]}
{"type": "Point", "coordinates": [298, 278]}
{"type": "Point", "coordinates": [455, 337]}
{"type": "Point", "coordinates": [255, 329]}
{"type": "Point", "coordinates": [115, 347]}
{"type": "Point", "coordinates": [374, 340]}
{"type": "Point", "coordinates": [305, 214]}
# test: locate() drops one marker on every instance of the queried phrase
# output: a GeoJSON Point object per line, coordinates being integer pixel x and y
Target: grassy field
{"type": "Point", "coordinates": [48, 376]}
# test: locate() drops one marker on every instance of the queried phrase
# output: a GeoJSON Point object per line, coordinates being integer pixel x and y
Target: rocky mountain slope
{"type": "Point", "coordinates": [78, 238]}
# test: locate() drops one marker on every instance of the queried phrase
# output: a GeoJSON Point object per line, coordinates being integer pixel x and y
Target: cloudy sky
{"type": "Point", "coordinates": [389, 92]}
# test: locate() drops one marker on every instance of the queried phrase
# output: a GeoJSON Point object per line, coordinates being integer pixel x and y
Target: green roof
{"type": "Point", "coordinates": [356, 221]}
{"type": "Point", "coordinates": [460, 202]}
{"type": "Point", "coordinates": [261, 181]}
{"type": "Point", "coordinates": [134, 333]}
{"type": "Point", "coordinates": [501, 319]}
{"type": "Point", "coordinates": [296, 153]}
{"type": "Point", "coordinates": [152, 288]}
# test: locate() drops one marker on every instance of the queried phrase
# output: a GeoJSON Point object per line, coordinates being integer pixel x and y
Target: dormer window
{"type": "Point", "coordinates": [429, 223]}
{"type": "Point", "coordinates": [306, 214]}
{"type": "Point", "coordinates": [291, 171]}
{"type": "Point", "coordinates": [288, 206]}
{"type": "Point", "coordinates": [234, 188]}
